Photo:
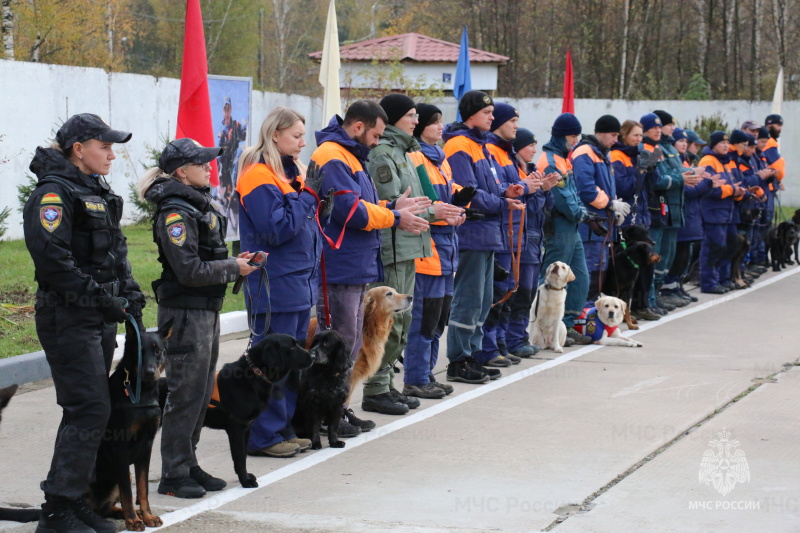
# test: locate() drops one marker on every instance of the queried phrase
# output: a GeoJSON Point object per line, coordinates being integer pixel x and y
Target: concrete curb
{"type": "Point", "coordinates": [33, 366]}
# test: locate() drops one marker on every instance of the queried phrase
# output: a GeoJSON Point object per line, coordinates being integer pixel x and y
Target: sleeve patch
{"type": "Point", "coordinates": [177, 233]}
{"type": "Point", "coordinates": [50, 217]}
{"type": "Point", "coordinates": [51, 198]}
{"type": "Point", "coordinates": [172, 218]}
{"type": "Point", "coordinates": [384, 174]}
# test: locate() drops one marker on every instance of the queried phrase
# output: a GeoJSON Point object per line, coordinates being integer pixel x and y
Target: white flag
{"type": "Point", "coordinates": [777, 98]}
{"type": "Point", "coordinates": [329, 69]}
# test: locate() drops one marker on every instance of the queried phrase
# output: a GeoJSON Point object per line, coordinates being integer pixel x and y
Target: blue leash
{"type": "Point", "coordinates": [135, 398]}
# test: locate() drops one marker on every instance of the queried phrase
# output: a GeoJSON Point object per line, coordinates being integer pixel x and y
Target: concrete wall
{"type": "Point", "coordinates": [36, 98]}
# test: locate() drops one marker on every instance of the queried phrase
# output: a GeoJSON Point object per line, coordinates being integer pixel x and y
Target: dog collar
{"type": "Point", "coordinates": [257, 371]}
{"type": "Point", "coordinates": [550, 287]}
{"type": "Point", "coordinates": [625, 247]}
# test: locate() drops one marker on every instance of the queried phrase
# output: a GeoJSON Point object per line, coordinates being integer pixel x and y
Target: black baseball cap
{"type": "Point", "coordinates": [183, 152]}
{"type": "Point", "coordinates": [85, 126]}
{"type": "Point", "coordinates": [773, 119]}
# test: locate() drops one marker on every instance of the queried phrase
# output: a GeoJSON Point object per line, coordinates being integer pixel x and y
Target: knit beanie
{"type": "Point", "coordinates": [751, 141]}
{"type": "Point", "coordinates": [738, 136]}
{"type": "Point", "coordinates": [763, 133]}
{"type": "Point", "coordinates": [396, 105]}
{"type": "Point", "coordinates": [650, 121]}
{"type": "Point", "coordinates": [502, 114]}
{"type": "Point", "coordinates": [426, 113]}
{"type": "Point", "coordinates": [524, 138]}
{"type": "Point", "coordinates": [716, 138]}
{"type": "Point", "coordinates": [679, 134]}
{"type": "Point", "coordinates": [665, 117]}
{"type": "Point", "coordinates": [566, 124]}
{"type": "Point", "coordinates": [607, 124]}
{"type": "Point", "coordinates": [472, 102]}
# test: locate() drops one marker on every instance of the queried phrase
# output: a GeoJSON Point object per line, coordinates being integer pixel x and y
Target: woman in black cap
{"type": "Point", "coordinates": [190, 235]}
{"type": "Point", "coordinates": [72, 231]}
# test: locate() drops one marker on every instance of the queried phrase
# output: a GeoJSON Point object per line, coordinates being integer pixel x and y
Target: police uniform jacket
{"type": "Point", "coordinates": [190, 235]}
{"type": "Point", "coordinates": [72, 231]}
{"type": "Point", "coordinates": [594, 179]}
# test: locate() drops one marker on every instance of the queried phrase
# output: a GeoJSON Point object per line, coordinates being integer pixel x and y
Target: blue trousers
{"type": "Point", "coordinates": [432, 297]}
{"type": "Point", "coordinates": [472, 299]}
{"type": "Point", "coordinates": [520, 303]}
{"type": "Point", "coordinates": [274, 424]}
{"type": "Point", "coordinates": [597, 264]}
{"type": "Point", "coordinates": [494, 330]}
{"type": "Point", "coordinates": [568, 249]}
{"type": "Point", "coordinates": [716, 252]}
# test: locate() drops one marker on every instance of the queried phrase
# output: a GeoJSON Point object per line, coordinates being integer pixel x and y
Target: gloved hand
{"type": "Point", "coordinates": [648, 159]}
{"type": "Point", "coordinates": [327, 205]}
{"type": "Point", "coordinates": [619, 218]}
{"type": "Point", "coordinates": [464, 196]}
{"type": "Point", "coordinates": [595, 224]}
{"type": "Point", "coordinates": [136, 303]}
{"type": "Point", "coordinates": [314, 178]}
{"type": "Point", "coordinates": [473, 214]}
{"type": "Point", "coordinates": [113, 308]}
{"type": "Point", "coordinates": [618, 206]}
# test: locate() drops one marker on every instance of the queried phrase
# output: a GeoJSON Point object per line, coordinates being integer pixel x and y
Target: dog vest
{"type": "Point", "coordinates": [589, 324]}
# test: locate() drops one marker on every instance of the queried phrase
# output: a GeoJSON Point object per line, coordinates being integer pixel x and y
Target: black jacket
{"type": "Point", "coordinates": [190, 235]}
{"type": "Point", "coordinates": [72, 231]}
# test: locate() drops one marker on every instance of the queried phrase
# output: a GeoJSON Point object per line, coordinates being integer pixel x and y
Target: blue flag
{"type": "Point", "coordinates": [463, 81]}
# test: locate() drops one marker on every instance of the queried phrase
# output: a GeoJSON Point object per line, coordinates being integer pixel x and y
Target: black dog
{"type": "Point", "coordinates": [796, 220]}
{"type": "Point", "coordinates": [15, 515]}
{"type": "Point", "coordinates": [323, 390]}
{"type": "Point", "coordinates": [779, 242]}
{"type": "Point", "coordinates": [131, 429]}
{"type": "Point", "coordinates": [244, 388]}
{"type": "Point", "coordinates": [631, 254]}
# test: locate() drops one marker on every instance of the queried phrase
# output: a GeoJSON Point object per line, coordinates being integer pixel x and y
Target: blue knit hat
{"type": "Point", "coordinates": [679, 134]}
{"type": "Point", "coordinates": [716, 138]}
{"type": "Point", "coordinates": [649, 121]}
{"type": "Point", "coordinates": [524, 138]}
{"type": "Point", "coordinates": [566, 124]}
{"type": "Point", "coordinates": [738, 136]}
{"type": "Point", "coordinates": [751, 141]}
{"type": "Point", "coordinates": [502, 114]}
{"type": "Point", "coordinates": [763, 133]}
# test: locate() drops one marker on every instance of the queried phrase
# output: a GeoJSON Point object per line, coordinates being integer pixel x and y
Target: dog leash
{"type": "Point", "coordinates": [135, 398]}
{"type": "Point", "coordinates": [263, 285]}
{"type": "Point", "coordinates": [515, 258]}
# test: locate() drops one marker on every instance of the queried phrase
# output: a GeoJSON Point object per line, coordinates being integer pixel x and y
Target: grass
{"type": "Point", "coordinates": [18, 289]}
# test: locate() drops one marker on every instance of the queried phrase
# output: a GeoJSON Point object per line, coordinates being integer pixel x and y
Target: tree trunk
{"type": "Point", "coordinates": [626, 17]}
{"type": "Point", "coordinates": [8, 30]}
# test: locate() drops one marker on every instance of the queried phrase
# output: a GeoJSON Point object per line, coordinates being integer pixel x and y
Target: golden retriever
{"type": "Point", "coordinates": [602, 322]}
{"type": "Point", "coordinates": [547, 328]}
{"type": "Point", "coordinates": [380, 305]}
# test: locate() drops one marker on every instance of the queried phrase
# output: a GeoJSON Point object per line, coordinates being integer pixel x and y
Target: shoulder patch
{"type": "Point", "coordinates": [384, 174]}
{"type": "Point", "coordinates": [177, 233]}
{"type": "Point", "coordinates": [212, 223]}
{"type": "Point", "coordinates": [50, 217]}
{"type": "Point", "coordinates": [51, 198]}
{"type": "Point", "coordinates": [172, 218]}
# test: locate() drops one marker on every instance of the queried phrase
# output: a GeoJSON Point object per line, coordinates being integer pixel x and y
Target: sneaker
{"type": "Point", "coordinates": [384, 404]}
{"type": "Point", "coordinates": [346, 429]}
{"type": "Point", "coordinates": [181, 487]}
{"type": "Point", "coordinates": [579, 338]}
{"type": "Point", "coordinates": [351, 418]}
{"type": "Point", "coordinates": [428, 391]}
{"type": "Point", "coordinates": [303, 444]}
{"type": "Point", "coordinates": [86, 514]}
{"type": "Point", "coordinates": [281, 450]}
{"type": "Point", "coordinates": [58, 516]}
{"type": "Point", "coordinates": [412, 403]}
{"type": "Point", "coordinates": [463, 372]}
{"type": "Point", "coordinates": [493, 373]}
{"type": "Point", "coordinates": [525, 350]}
{"type": "Point", "coordinates": [673, 299]}
{"type": "Point", "coordinates": [513, 358]}
{"type": "Point", "coordinates": [644, 314]}
{"type": "Point", "coordinates": [207, 481]}
{"type": "Point", "coordinates": [715, 290]}
{"type": "Point", "coordinates": [498, 361]}
{"type": "Point", "coordinates": [568, 342]}
{"type": "Point", "coordinates": [448, 389]}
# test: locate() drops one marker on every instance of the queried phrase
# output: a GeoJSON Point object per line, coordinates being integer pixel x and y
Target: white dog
{"type": "Point", "coordinates": [602, 321]}
{"type": "Point", "coordinates": [547, 328]}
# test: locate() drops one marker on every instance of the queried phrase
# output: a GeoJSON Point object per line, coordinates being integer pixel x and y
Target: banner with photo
{"type": "Point", "coordinates": [230, 116]}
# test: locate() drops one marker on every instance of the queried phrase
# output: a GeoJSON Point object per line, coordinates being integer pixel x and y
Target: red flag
{"type": "Point", "coordinates": [194, 109]}
{"type": "Point", "coordinates": [569, 88]}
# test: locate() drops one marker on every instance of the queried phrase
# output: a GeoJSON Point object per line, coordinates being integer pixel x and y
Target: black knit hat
{"type": "Point", "coordinates": [396, 105]}
{"type": "Point", "coordinates": [524, 138]}
{"type": "Point", "coordinates": [85, 126]}
{"type": "Point", "coordinates": [426, 114]}
{"type": "Point", "coordinates": [472, 102]}
{"type": "Point", "coordinates": [763, 133]}
{"type": "Point", "coordinates": [607, 124]}
{"type": "Point", "coordinates": [183, 152]}
{"type": "Point", "coordinates": [666, 118]}
{"type": "Point", "coordinates": [716, 138]}
{"type": "Point", "coordinates": [738, 136]}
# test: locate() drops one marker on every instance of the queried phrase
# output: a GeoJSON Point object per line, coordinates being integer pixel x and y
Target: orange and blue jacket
{"type": "Point", "coordinates": [774, 158]}
{"type": "Point", "coordinates": [444, 240]}
{"type": "Point", "coordinates": [342, 159]}
{"type": "Point", "coordinates": [568, 210]}
{"type": "Point", "coordinates": [472, 166]}
{"type": "Point", "coordinates": [504, 157]}
{"type": "Point", "coordinates": [716, 206]}
{"type": "Point", "coordinates": [594, 179]}
{"type": "Point", "coordinates": [277, 219]}
{"type": "Point", "coordinates": [537, 207]}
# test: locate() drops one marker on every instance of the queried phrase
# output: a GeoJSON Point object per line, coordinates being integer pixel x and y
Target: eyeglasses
{"type": "Point", "coordinates": [205, 166]}
{"type": "Point", "coordinates": [413, 116]}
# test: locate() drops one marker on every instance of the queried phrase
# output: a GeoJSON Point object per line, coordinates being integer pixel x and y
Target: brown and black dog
{"type": "Point", "coordinates": [15, 515]}
{"type": "Point", "coordinates": [131, 429]}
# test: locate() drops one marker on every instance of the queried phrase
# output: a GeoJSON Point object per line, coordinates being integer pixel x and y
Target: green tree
{"type": "Point", "coordinates": [698, 89]}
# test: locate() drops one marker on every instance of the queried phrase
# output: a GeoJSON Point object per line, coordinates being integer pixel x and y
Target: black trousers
{"type": "Point", "coordinates": [79, 348]}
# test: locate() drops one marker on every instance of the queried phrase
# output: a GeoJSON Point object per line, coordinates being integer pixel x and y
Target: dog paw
{"type": "Point", "coordinates": [249, 482]}
{"type": "Point", "coordinates": [558, 349]}
{"type": "Point", "coordinates": [337, 444]}
{"type": "Point", "coordinates": [638, 345]}
{"type": "Point", "coordinates": [134, 525]}
{"type": "Point", "coordinates": [152, 521]}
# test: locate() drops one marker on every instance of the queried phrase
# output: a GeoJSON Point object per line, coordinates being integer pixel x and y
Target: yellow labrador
{"type": "Point", "coordinates": [547, 328]}
{"type": "Point", "coordinates": [602, 322]}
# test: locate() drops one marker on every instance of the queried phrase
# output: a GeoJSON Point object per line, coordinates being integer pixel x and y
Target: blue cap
{"type": "Point", "coordinates": [502, 114]}
{"type": "Point", "coordinates": [738, 136]}
{"type": "Point", "coordinates": [716, 138]}
{"type": "Point", "coordinates": [566, 124]}
{"type": "Point", "coordinates": [679, 134]}
{"type": "Point", "coordinates": [649, 121]}
{"type": "Point", "coordinates": [774, 119]}
{"type": "Point", "coordinates": [693, 137]}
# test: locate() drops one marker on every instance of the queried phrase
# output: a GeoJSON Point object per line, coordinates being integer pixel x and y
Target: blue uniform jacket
{"type": "Point", "coordinates": [716, 206]}
{"type": "Point", "coordinates": [670, 182]}
{"type": "Point", "coordinates": [504, 158]}
{"type": "Point", "coordinates": [632, 187]}
{"type": "Point", "coordinates": [537, 207]}
{"type": "Point", "coordinates": [594, 179]}
{"type": "Point", "coordinates": [568, 211]}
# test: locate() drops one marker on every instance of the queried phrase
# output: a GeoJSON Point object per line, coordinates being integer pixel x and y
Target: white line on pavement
{"type": "Point", "coordinates": [233, 494]}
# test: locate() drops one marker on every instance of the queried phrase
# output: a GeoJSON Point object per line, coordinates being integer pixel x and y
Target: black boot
{"type": "Point", "coordinates": [59, 517]}
{"type": "Point", "coordinates": [86, 514]}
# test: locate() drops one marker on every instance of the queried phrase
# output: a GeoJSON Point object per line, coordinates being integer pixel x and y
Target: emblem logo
{"type": "Point", "coordinates": [487, 99]}
{"type": "Point", "coordinates": [723, 466]}
{"type": "Point", "coordinates": [51, 198]}
{"type": "Point", "coordinates": [50, 216]}
{"type": "Point", "coordinates": [172, 218]}
{"type": "Point", "coordinates": [177, 233]}
{"type": "Point", "coordinates": [212, 223]}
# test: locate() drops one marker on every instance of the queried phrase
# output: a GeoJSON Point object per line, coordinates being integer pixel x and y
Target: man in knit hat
{"type": "Point", "coordinates": [395, 175]}
{"type": "Point", "coordinates": [478, 239]}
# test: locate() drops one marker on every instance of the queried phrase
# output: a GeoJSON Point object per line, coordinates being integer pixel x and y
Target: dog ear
{"type": "Point", "coordinates": [165, 330]}
{"type": "Point", "coordinates": [6, 394]}
{"type": "Point", "coordinates": [570, 274]}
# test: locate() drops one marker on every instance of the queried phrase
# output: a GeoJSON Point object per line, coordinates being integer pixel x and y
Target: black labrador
{"type": "Point", "coordinates": [780, 242]}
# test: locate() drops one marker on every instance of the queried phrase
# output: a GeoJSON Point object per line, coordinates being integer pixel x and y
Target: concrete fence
{"type": "Point", "coordinates": [36, 98]}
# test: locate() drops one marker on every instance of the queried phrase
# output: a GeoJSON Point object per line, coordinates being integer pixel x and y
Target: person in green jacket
{"type": "Point", "coordinates": [394, 174]}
